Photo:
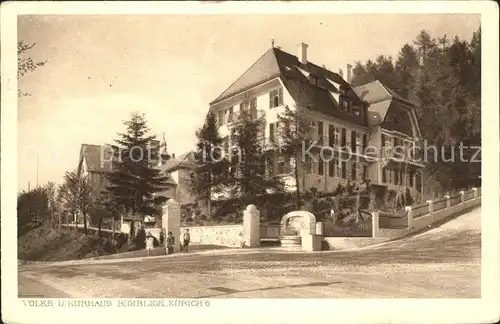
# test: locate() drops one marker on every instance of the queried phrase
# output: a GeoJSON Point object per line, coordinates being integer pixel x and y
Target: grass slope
{"type": "Point", "coordinates": [47, 244]}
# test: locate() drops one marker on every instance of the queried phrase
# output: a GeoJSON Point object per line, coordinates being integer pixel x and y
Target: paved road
{"type": "Point", "coordinates": [442, 262]}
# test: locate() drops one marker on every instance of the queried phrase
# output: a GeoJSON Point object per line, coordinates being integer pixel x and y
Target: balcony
{"type": "Point", "coordinates": [399, 155]}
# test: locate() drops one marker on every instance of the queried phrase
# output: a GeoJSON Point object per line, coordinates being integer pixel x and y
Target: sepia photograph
{"type": "Point", "coordinates": [174, 159]}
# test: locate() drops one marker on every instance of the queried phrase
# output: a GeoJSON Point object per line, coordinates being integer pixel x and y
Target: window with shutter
{"type": "Point", "coordinates": [354, 171]}
{"type": "Point", "coordinates": [230, 117]}
{"type": "Point", "coordinates": [331, 168]}
{"type": "Point", "coordinates": [276, 98]}
{"type": "Point", "coordinates": [365, 142]}
{"type": "Point", "coordinates": [321, 167]}
{"type": "Point", "coordinates": [344, 170]}
{"type": "Point", "coordinates": [384, 175]}
{"type": "Point", "coordinates": [320, 133]}
{"type": "Point", "coordinates": [344, 139]}
{"type": "Point", "coordinates": [353, 141]}
{"type": "Point", "coordinates": [331, 136]}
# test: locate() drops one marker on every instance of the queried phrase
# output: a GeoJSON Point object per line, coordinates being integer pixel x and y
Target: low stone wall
{"type": "Point", "coordinates": [429, 219]}
{"type": "Point", "coordinates": [341, 243]}
{"type": "Point", "coordinates": [225, 235]}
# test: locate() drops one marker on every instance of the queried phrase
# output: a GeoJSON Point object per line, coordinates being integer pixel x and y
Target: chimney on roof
{"type": "Point", "coordinates": [302, 54]}
{"type": "Point", "coordinates": [349, 73]}
{"type": "Point", "coordinates": [341, 73]}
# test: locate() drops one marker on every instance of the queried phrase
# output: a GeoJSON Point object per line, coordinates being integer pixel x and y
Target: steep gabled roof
{"type": "Point", "coordinates": [265, 68]}
{"type": "Point", "coordinates": [186, 160]}
{"type": "Point", "coordinates": [376, 91]}
{"type": "Point", "coordinates": [97, 157]}
{"type": "Point", "coordinates": [321, 95]}
{"type": "Point", "coordinates": [380, 97]}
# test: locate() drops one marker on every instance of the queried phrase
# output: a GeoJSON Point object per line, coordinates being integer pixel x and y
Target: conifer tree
{"type": "Point", "coordinates": [210, 174]}
{"type": "Point", "coordinates": [443, 78]}
{"type": "Point", "coordinates": [294, 130]}
{"type": "Point", "coordinates": [248, 160]}
{"type": "Point", "coordinates": [134, 179]}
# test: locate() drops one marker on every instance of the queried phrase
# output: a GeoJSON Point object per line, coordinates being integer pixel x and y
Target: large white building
{"type": "Point", "coordinates": [371, 115]}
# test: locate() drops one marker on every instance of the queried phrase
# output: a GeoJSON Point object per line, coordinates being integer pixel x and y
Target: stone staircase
{"type": "Point", "coordinates": [292, 243]}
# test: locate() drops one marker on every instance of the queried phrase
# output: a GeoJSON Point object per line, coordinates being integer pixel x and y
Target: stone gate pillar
{"type": "Point", "coordinates": [171, 221]}
{"type": "Point", "coordinates": [251, 226]}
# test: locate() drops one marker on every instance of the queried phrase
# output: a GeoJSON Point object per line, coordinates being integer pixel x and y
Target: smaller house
{"type": "Point", "coordinates": [180, 170]}
{"type": "Point", "coordinates": [95, 161]}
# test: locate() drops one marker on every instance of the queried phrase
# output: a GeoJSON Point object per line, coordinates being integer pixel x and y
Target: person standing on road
{"type": "Point", "coordinates": [187, 239]}
{"type": "Point", "coordinates": [170, 243]}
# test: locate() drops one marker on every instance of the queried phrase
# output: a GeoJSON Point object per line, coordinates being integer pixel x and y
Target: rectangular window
{"type": "Point", "coordinates": [383, 140]}
{"type": "Point", "coordinates": [359, 140]}
{"type": "Point", "coordinates": [384, 175]}
{"type": "Point", "coordinates": [253, 108]}
{"type": "Point", "coordinates": [320, 133]}
{"type": "Point", "coordinates": [396, 177]}
{"type": "Point", "coordinates": [365, 172]}
{"type": "Point", "coordinates": [356, 110]}
{"type": "Point", "coordinates": [272, 133]}
{"type": "Point", "coordinates": [230, 116]}
{"type": "Point", "coordinates": [331, 168]}
{"type": "Point", "coordinates": [243, 107]}
{"type": "Point", "coordinates": [344, 138]}
{"type": "Point", "coordinates": [308, 164]}
{"type": "Point", "coordinates": [388, 146]}
{"type": "Point", "coordinates": [321, 167]}
{"type": "Point", "coordinates": [354, 171]}
{"type": "Point", "coordinates": [353, 141]}
{"type": "Point", "coordinates": [331, 135]}
{"type": "Point", "coordinates": [221, 117]}
{"type": "Point", "coordinates": [276, 98]}
{"type": "Point", "coordinates": [365, 143]}
{"type": "Point", "coordinates": [411, 179]}
{"type": "Point", "coordinates": [344, 170]}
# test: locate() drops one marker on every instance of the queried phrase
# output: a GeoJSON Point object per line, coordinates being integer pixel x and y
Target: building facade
{"type": "Point", "coordinates": [353, 130]}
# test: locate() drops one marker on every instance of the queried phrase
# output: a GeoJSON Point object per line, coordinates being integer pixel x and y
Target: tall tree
{"type": "Point", "coordinates": [294, 130]}
{"type": "Point", "coordinates": [248, 159]}
{"type": "Point", "coordinates": [51, 191]}
{"type": "Point", "coordinates": [442, 76]}
{"type": "Point", "coordinates": [134, 181]}
{"type": "Point", "coordinates": [25, 63]}
{"type": "Point", "coordinates": [75, 195]}
{"type": "Point", "coordinates": [406, 69]}
{"type": "Point", "coordinates": [211, 172]}
{"type": "Point", "coordinates": [32, 209]}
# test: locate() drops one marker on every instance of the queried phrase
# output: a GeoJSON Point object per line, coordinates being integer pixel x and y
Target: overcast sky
{"type": "Point", "coordinates": [101, 68]}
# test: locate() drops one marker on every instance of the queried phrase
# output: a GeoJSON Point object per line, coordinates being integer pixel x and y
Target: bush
{"type": "Point", "coordinates": [139, 241]}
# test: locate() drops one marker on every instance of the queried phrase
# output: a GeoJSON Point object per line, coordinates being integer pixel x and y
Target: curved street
{"type": "Point", "coordinates": [442, 262]}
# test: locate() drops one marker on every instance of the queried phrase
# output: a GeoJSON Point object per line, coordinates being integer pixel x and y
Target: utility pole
{"type": "Point", "coordinates": [37, 170]}
{"type": "Point", "coordinates": [29, 203]}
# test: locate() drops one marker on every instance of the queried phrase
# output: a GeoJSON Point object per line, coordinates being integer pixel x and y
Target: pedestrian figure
{"type": "Point", "coordinates": [170, 243]}
{"type": "Point", "coordinates": [187, 239]}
